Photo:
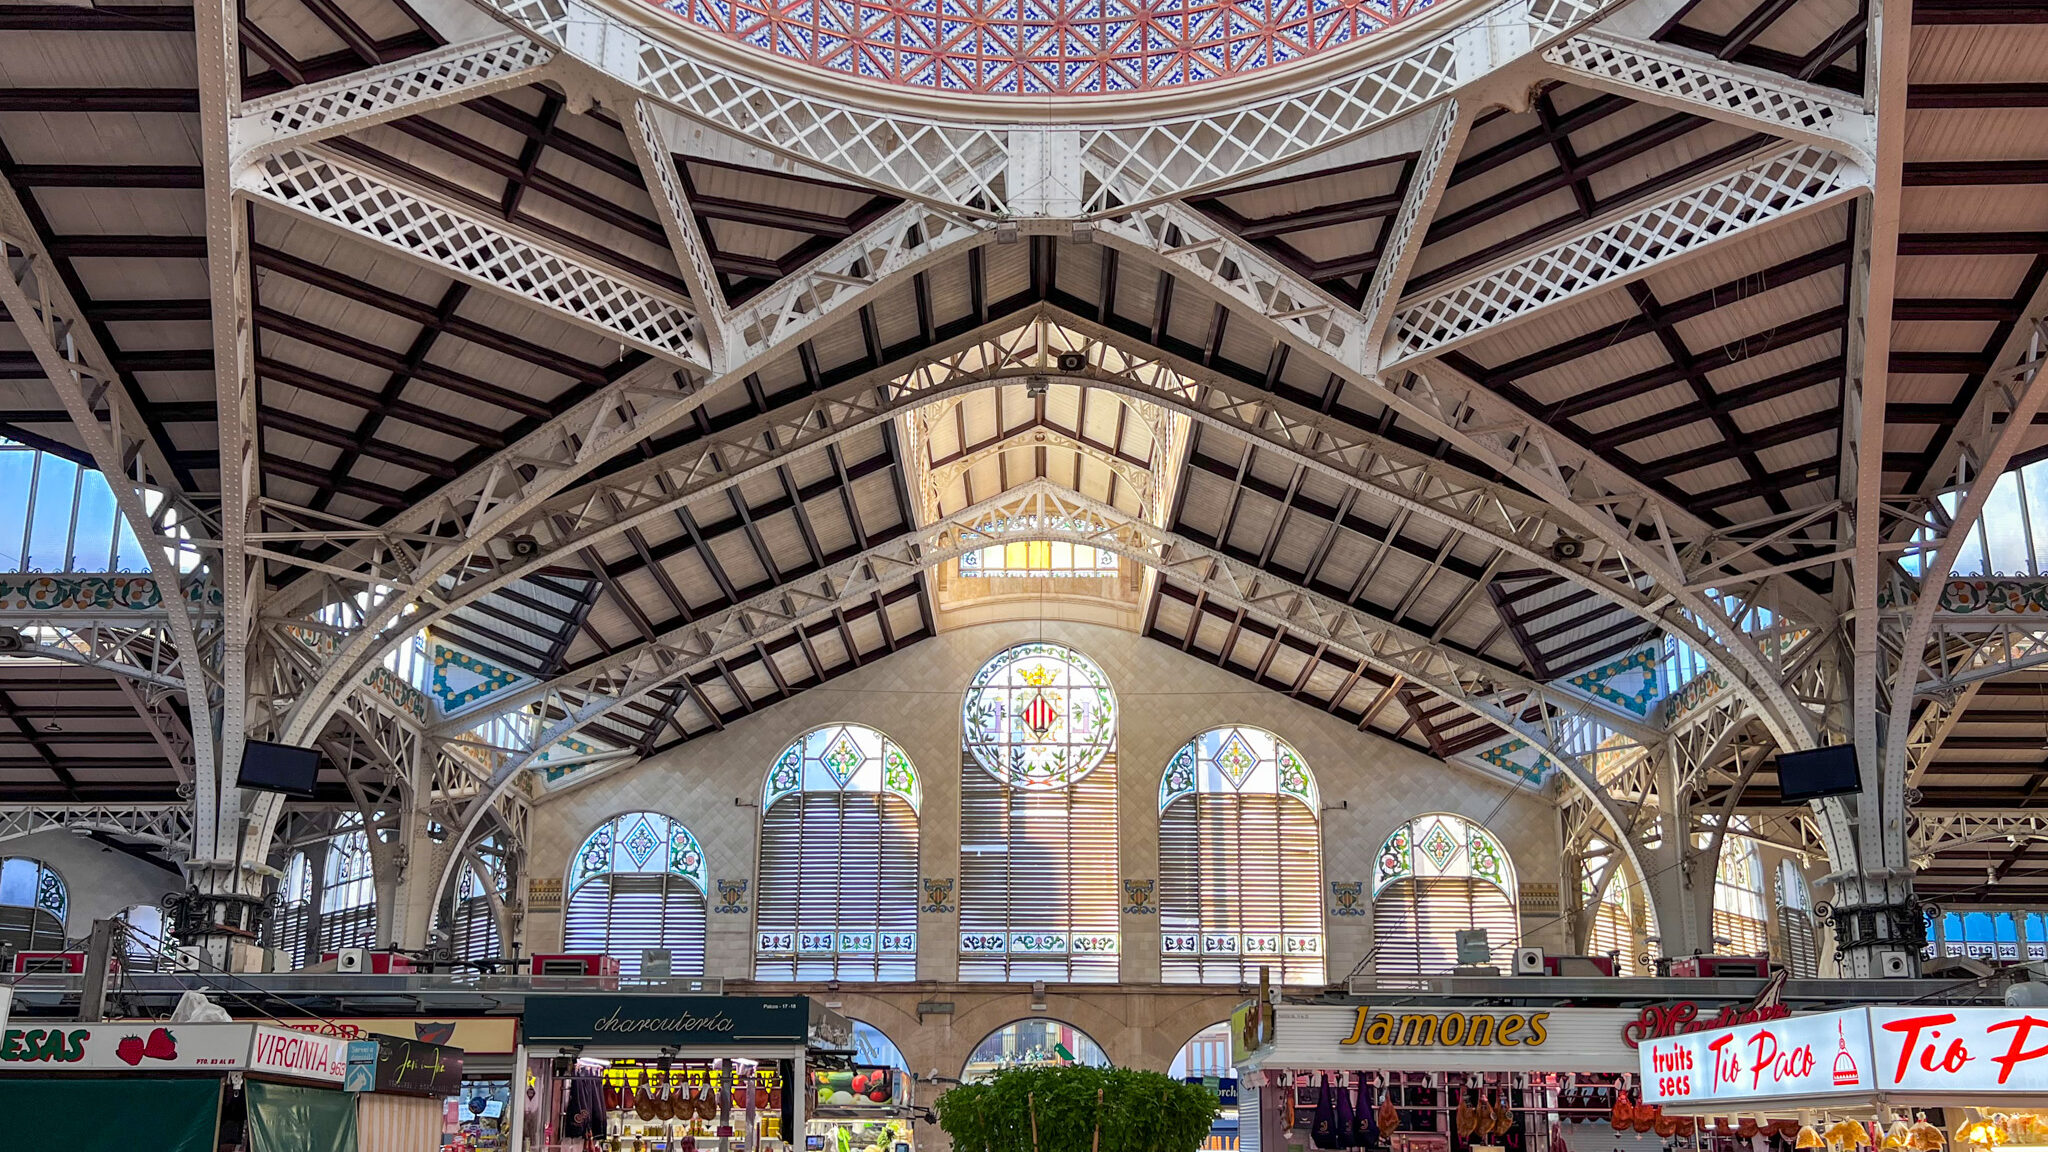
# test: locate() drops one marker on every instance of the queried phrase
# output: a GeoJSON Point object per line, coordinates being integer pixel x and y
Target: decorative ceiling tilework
{"type": "Point", "coordinates": [1044, 47]}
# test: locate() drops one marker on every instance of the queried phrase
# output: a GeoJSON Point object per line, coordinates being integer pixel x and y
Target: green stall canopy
{"type": "Point", "coordinates": [284, 1118]}
{"type": "Point", "coordinates": [110, 1114]}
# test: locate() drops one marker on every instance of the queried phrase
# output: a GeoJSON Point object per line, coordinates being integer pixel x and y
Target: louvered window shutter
{"type": "Point", "coordinates": [1612, 933]}
{"type": "Point", "coordinates": [1416, 922]}
{"type": "Point", "coordinates": [1801, 951]}
{"type": "Point", "coordinates": [1233, 866]}
{"type": "Point", "coordinates": [476, 930]}
{"type": "Point", "coordinates": [1038, 862]}
{"type": "Point", "coordinates": [833, 863]}
{"type": "Point", "coordinates": [619, 914]}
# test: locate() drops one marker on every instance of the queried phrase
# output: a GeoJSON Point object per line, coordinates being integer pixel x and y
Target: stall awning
{"type": "Point", "coordinates": [287, 1118]}
{"type": "Point", "coordinates": [104, 1114]}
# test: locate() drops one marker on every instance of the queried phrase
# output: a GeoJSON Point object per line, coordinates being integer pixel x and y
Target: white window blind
{"type": "Point", "coordinates": [637, 883]}
{"type": "Point", "coordinates": [1614, 931]}
{"type": "Point", "coordinates": [1040, 882]}
{"type": "Point", "coordinates": [838, 876]}
{"type": "Point", "coordinates": [1800, 953]}
{"type": "Point", "coordinates": [1240, 862]}
{"type": "Point", "coordinates": [1416, 922]}
{"type": "Point", "coordinates": [1437, 875]}
{"type": "Point", "coordinates": [1038, 865]}
{"type": "Point", "coordinates": [1739, 896]}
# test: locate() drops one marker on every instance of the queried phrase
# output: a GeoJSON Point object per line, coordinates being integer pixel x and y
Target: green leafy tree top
{"type": "Point", "coordinates": [1077, 1109]}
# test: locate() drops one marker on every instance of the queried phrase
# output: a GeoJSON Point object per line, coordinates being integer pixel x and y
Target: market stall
{"type": "Point", "coordinates": [476, 1113]}
{"type": "Point", "coordinates": [860, 1100]}
{"type": "Point", "coordinates": [672, 1073]}
{"type": "Point", "coordinates": [88, 1087]}
{"type": "Point", "coordinates": [412, 1085]}
{"type": "Point", "coordinates": [1416, 1079]}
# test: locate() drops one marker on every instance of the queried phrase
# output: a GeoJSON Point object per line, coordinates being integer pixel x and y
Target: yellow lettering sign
{"type": "Point", "coordinates": [1447, 1030]}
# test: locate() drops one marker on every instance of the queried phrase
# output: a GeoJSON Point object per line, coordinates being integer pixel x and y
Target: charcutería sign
{"type": "Point", "coordinates": [1448, 1029]}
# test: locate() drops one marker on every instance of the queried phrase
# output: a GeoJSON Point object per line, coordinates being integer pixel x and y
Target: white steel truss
{"type": "Point", "coordinates": [1042, 510]}
{"type": "Point", "coordinates": [1652, 539]}
{"type": "Point", "coordinates": [1936, 830]}
{"type": "Point", "coordinates": [146, 651]}
{"type": "Point", "coordinates": [1691, 82]}
{"type": "Point", "coordinates": [1404, 238]}
{"type": "Point", "coordinates": [406, 87]}
{"type": "Point", "coordinates": [1753, 193]}
{"type": "Point", "coordinates": [652, 152]}
{"type": "Point", "coordinates": [373, 206]}
{"type": "Point", "coordinates": [166, 825]}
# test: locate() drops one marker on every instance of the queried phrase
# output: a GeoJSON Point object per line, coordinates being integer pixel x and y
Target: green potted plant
{"type": "Point", "coordinates": [1072, 1108]}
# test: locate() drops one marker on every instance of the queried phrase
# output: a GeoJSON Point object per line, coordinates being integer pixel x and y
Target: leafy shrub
{"type": "Point", "coordinates": [1133, 1111]}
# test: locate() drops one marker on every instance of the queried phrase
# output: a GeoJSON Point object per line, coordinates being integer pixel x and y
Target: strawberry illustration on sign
{"type": "Point", "coordinates": [162, 1045]}
{"type": "Point", "coordinates": [130, 1050]}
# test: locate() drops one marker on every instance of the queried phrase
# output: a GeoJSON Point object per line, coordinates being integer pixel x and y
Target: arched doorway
{"type": "Point", "coordinates": [1026, 1043]}
{"type": "Point", "coordinates": [1205, 1059]}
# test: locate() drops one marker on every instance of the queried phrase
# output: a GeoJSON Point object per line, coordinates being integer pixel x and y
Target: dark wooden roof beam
{"type": "Point", "coordinates": [86, 18]}
{"type": "Point", "coordinates": [109, 176]}
{"type": "Point", "coordinates": [96, 99]}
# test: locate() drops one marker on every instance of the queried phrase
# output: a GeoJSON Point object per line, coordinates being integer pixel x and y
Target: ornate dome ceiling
{"type": "Point", "coordinates": [1045, 47]}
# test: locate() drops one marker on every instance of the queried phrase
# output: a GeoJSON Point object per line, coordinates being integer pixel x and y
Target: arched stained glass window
{"type": "Point", "coordinates": [1240, 861]}
{"type": "Point", "coordinates": [838, 870]}
{"type": "Point", "coordinates": [1438, 875]}
{"type": "Point", "coordinates": [33, 905]}
{"type": "Point", "coordinates": [348, 892]}
{"type": "Point", "coordinates": [1040, 716]}
{"type": "Point", "coordinates": [1739, 896]}
{"type": "Point", "coordinates": [638, 883]}
{"type": "Point", "coordinates": [1039, 879]}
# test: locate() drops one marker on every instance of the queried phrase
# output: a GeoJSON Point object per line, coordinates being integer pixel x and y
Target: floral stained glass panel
{"type": "Point", "coordinates": [1039, 716]}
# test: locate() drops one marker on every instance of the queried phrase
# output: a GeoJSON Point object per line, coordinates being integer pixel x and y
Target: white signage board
{"type": "Point", "coordinates": [135, 1046]}
{"type": "Point", "coordinates": [1978, 1051]}
{"type": "Point", "coordinates": [146, 1046]}
{"type": "Point", "coordinates": [1800, 1056]}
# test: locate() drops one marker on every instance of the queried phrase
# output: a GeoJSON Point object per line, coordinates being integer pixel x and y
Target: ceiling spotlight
{"type": "Point", "coordinates": [53, 726]}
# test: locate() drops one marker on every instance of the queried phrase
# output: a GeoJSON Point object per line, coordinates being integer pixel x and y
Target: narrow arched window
{"type": "Point", "coordinates": [1039, 877]}
{"type": "Point", "coordinates": [1436, 876]}
{"type": "Point", "coordinates": [473, 932]}
{"type": "Point", "coordinates": [1240, 862]}
{"type": "Point", "coordinates": [147, 945]}
{"type": "Point", "coordinates": [1801, 947]}
{"type": "Point", "coordinates": [33, 904]}
{"type": "Point", "coordinates": [838, 869]}
{"type": "Point", "coordinates": [348, 892]}
{"type": "Point", "coordinates": [638, 883]}
{"type": "Point", "coordinates": [1614, 926]}
{"type": "Point", "coordinates": [1739, 925]}
{"type": "Point", "coordinates": [291, 913]}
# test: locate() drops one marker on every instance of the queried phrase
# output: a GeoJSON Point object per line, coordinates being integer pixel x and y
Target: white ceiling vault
{"type": "Point", "coordinates": [1436, 382]}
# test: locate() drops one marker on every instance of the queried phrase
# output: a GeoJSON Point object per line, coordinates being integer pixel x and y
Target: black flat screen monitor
{"type": "Point", "coordinates": [1818, 772]}
{"type": "Point", "coordinates": [268, 767]}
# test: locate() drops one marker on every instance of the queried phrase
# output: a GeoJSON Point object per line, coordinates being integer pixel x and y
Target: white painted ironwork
{"type": "Point", "coordinates": [1937, 830]}
{"type": "Point", "coordinates": [373, 206]}
{"type": "Point", "coordinates": [1757, 191]}
{"type": "Point", "coordinates": [1671, 76]}
{"type": "Point", "coordinates": [1042, 510]}
{"type": "Point", "coordinates": [1655, 542]}
{"type": "Point", "coordinates": [166, 825]}
{"type": "Point", "coordinates": [1404, 237]}
{"type": "Point", "coordinates": [943, 163]}
{"type": "Point", "coordinates": [407, 87]}
{"type": "Point", "coordinates": [653, 153]}
{"type": "Point", "coordinates": [146, 652]}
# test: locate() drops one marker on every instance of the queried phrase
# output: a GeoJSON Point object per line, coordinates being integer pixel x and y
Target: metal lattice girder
{"type": "Point", "coordinates": [652, 152]}
{"type": "Point", "coordinates": [1691, 82]}
{"type": "Point", "coordinates": [942, 163]}
{"type": "Point", "coordinates": [1404, 238]}
{"type": "Point", "coordinates": [462, 526]}
{"type": "Point", "coordinates": [1753, 192]}
{"type": "Point", "coordinates": [374, 206]}
{"type": "Point", "coordinates": [1017, 348]}
{"type": "Point", "coordinates": [1129, 159]}
{"type": "Point", "coordinates": [407, 87]}
{"type": "Point", "coordinates": [168, 825]}
{"type": "Point", "coordinates": [1936, 830]}
{"type": "Point", "coordinates": [146, 489]}
{"type": "Point", "coordinates": [145, 652]}
{"type": "Point", "coordinates": [1042, 510]}
{"type": "Point", "coordinates": [1635, 534]}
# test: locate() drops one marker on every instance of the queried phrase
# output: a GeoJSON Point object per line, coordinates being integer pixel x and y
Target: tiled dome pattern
{"type": "Point", "coordinates": [1045, 47]}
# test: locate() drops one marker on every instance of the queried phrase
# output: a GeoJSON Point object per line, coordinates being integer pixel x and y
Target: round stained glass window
{"type": "Point", "coordinates": [1039, 716]}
